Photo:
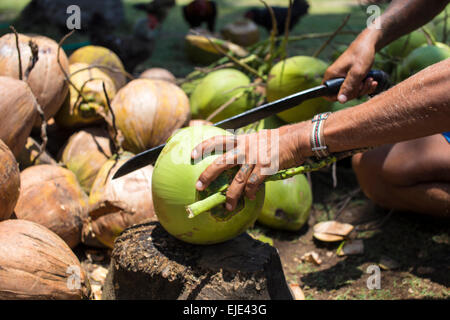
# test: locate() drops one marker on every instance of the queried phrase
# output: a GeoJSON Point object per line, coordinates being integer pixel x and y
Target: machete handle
{"type": "Point", "coordinates": [334, 85]}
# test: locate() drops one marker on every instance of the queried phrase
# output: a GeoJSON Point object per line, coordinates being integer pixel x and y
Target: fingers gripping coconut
{"type": "Point", "coordinates": [173, 188]}
{"type": "Point", "coordinates": [258, 154]}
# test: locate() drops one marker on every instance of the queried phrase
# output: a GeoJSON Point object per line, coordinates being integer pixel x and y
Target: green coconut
{"type": "Point", "coordinates": [272, 122]}
{"type": "Point", "coordinates": [423, 57]}
{"type": "Point", "coordinates": [173, 188]}
{"type": "Point", "coordinates": [218, 88]}
{"type": "Point", "coordinates": [287, 203]}
{"type": "Point", "coordinates": [293, 75]}
{"type": "Point", "coordinates": [404, 45]}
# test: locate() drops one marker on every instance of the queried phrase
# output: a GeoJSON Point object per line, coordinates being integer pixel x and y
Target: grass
{"type": "Point", "coordinates": [324, 16]}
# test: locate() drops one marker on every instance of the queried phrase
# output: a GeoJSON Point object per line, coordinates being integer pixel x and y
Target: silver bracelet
{"type": "Point", "coordinates": [318, 146]}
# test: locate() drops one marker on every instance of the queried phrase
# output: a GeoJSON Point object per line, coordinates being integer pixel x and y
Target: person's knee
{"type": "Point", "coordinates": [368, 173]}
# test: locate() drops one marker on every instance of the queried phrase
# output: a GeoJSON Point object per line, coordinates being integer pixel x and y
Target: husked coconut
{"type": "Point", "coordinates": [158, 74]}
{"type": "Point", "coordinates": [102, 57]}
{"type": "Point", "coordinates": [51, 196]}
{"type": "Point", "coordinates": [46, 80]}
{"type": "Point", "coordinates": [80, 111]}
{"type": "Point", "coordinates": [36, 264]}
{"type": "Point", "coordinates": [148, 112]}
{"type": "Point", "coordinates": [30, 152]}
{"type": "Point", "coordinates": [118, 204]}
{"type": "Point", "coordinates": [9, 182]}
{"type": "Point", "coordinates": [18, 113]}
{"type": "Point", "coordinates": [85, 153]}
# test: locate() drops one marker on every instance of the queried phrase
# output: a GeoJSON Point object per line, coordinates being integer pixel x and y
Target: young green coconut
{"type": "Point", "coordinates": [85, 153]}
{"type": "Point", "coordinates": [403, 46]}
{"type": "Point", "coordinates": [105, 60]}
{"type": "Point", "coordinates": [173, 188]}
{"type": "Point", "coordinates": [9, 182]}
{"type": "Point", "coordinates": [293, 75]}
{"type": "Point", "coordinates": [423, 57]}
{"type": "Point", "coordinates": [148, 111]}
{"type": "Point", "coordinates": [219, 88]}
{"type": "Point", "coordinates": [118, 204]}
{"type": "Point", "coordinates": [287, 203]}
{"type": "Point", "coordinates": [83, 110]}
{"type": "Point", "coordinates": [51, 196]}
{"type": "Point", "coordinates": [46, 79]}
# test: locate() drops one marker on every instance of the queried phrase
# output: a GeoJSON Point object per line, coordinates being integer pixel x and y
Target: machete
{"type": "Point", "coordinates": [328, 88]}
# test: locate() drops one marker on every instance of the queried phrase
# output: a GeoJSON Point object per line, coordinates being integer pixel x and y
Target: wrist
{"type": "Point", "coordinates": [298, 135]}
{"type": "Point", "coordinates": [371, 37]}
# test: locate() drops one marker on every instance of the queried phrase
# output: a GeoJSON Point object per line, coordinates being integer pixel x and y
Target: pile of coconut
{"type": "Point", "coordinates": [67, 124]}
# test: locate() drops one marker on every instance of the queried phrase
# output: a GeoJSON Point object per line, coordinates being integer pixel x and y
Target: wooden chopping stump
{"type": "Point", "coordinates": [148, 263]}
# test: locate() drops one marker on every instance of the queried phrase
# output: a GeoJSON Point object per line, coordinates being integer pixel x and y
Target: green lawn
{"type": "Point", "coordinates": [324, 16]}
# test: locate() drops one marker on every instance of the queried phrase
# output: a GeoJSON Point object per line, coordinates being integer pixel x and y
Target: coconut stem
{"type": "Point", "coordinates": [18, 51]}
{"type": "Point", "coordinates": [66, 76]}
{"type": "Point", "coordinates": [206, 204]}
{"type": "Point", "coordinates": [234, 59]}
{"type": "Point", "coordinates": [219, 197]}
{"type": "Point", "coordinates": [430, 38]}
{"type": "Point", "coordinates": [328, 41]}
{"type": "Point", "coordinates": [444, 32]}
{"type": "Point", "coordinates": [112, 122]}
{"type": "Point", "coordinates": [273, 34]}
{"type": "Point", "coordinates": [225, 105]}
{"type": "Point", "coordinates": [98, 66]}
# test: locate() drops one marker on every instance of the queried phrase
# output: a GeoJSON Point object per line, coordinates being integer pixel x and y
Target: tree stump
{"type": "Point", "coordinates": [148, 263]}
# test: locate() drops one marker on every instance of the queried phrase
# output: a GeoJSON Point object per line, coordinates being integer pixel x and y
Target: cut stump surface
{"type": "Point", "coordinates": [148, 263]}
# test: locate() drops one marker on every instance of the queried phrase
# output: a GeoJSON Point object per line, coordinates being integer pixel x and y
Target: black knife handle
{"type": "Point", "coordinates": [334, 85]}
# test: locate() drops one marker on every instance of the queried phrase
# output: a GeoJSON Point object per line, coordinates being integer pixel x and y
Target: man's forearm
{"type": "Point", "coordinates": [402, 17]}
{"type": "Point", "coordinates": [417, 107]}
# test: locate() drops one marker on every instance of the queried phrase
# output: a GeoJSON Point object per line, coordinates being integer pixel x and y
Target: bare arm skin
{"type": "Point", "coordinates": [417, 107]}
{"type": "Point", "coordinates": [400, 18]}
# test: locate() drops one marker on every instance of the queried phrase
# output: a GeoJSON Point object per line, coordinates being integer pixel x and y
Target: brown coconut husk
{"type": "Point", "coordinates": [107, 61]}
{"type": "Point", "coordinates": [9, 182]}
{"type": "Point", "coordinates": [83, 110]}
{"type": "Point", "coordinates": [148, 111]}
{"type": "Point", "coordinates": [29, 155]}
{"type": "Point", "coordinates": [18, 113]}
{"type": "Point", "coordinates": [158, 74]}
{"type": "Point", "coordinates": [46, 79]}
{"type": "Point", "coordinates": [243, 32]}
{"type": "Point", "coordinates": [37, 264]}
{"type": "Point", "coordinates": [51, 196]}
{"type": "Point", "coordinates": [85, 153]}
{"type": "Point", "coordinates": [115, 205]}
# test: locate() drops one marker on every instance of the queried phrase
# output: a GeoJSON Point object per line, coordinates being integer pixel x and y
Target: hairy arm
{"type": "Point", "coordinates": [404, 16]}
{"type": "Point", "coordinates": [417, 107]}
{"type": "Point", "coordinates": [401, 17]}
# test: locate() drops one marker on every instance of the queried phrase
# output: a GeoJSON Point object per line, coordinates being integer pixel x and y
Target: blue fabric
{"type": "Point", "coordinates": [447, 136]}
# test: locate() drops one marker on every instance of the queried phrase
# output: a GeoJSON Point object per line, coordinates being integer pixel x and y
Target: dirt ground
{"type": "Point", "coordinates": [413, 251]}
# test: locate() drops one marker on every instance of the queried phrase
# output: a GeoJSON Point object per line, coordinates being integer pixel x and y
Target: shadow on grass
{"type": "Point", "coordinates": [415, 242]}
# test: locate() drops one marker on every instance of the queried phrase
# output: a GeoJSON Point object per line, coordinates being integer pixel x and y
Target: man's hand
{"type": "Point", "coordinates": [259, 155]}
{"type": "Point", "coordinates": [354, 64]}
